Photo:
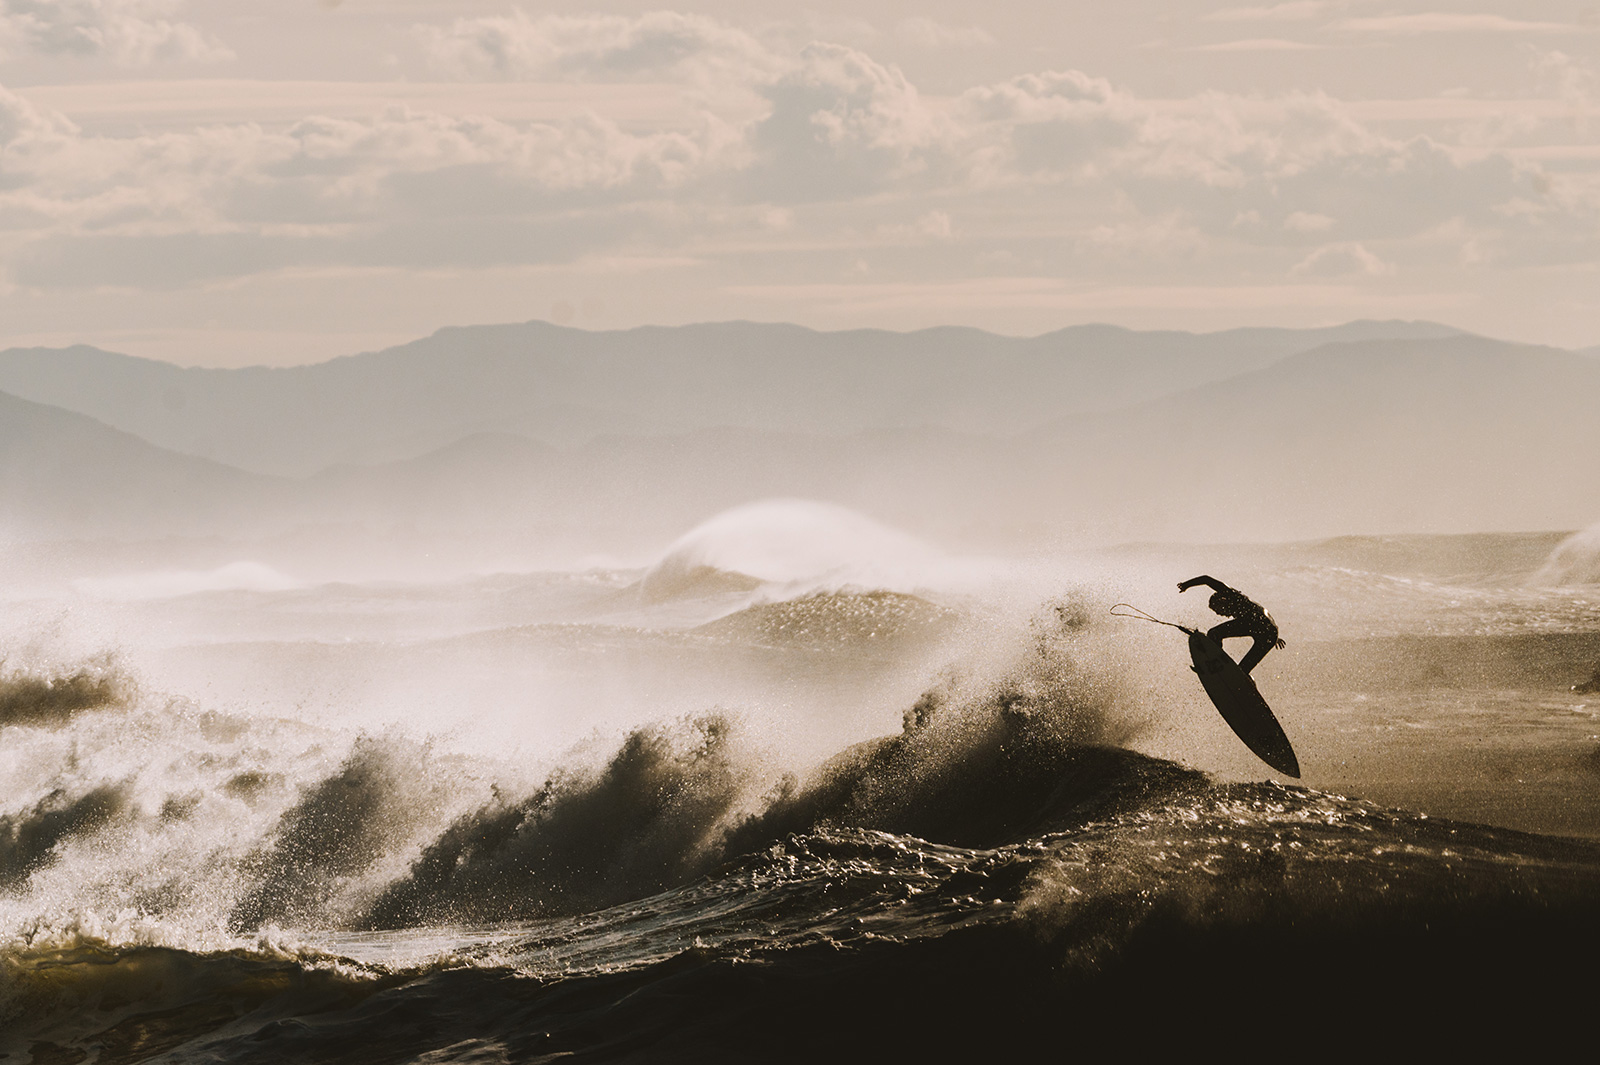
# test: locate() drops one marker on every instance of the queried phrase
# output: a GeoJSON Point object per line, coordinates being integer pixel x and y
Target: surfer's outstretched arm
{"type": "Point", "coordinates": [1207, 580]}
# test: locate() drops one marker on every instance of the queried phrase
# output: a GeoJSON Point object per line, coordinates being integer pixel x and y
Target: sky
{"type": "Point", "coordinates": [238, 182]}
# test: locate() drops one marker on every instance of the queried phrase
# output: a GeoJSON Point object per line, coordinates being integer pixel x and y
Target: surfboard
{"type": "Point", "coordinates": [1240, 703]}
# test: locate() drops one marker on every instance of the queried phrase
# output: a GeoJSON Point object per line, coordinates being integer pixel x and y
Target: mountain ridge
{"type": "Point", "coordinates": [565, 386]}
{"type": "Point", "coordinates": [1455, 434]}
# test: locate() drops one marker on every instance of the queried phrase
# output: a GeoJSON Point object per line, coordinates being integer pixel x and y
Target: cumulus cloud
{"type": "Point", "coordinates": [842, 124]}
{"type": "Point", "coordinates": [402, 188]}
{"type": "Point", "coordinates": [661, 45]}
{"type": "Point", "coordinates": [824, 127]}
{"type": "Point", "coordinates": [130, 32]}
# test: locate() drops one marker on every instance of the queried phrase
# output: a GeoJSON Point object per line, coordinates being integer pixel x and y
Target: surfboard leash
{"type": "Point", "coordinates": [1140, 615]}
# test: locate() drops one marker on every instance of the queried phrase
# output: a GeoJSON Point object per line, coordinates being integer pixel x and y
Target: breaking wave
{"type": "Point", "coordinates": [839, 620]}
{"type": "Point", "coordinates": [645, 821]}
{"type": "Point", "coordinates": [29, 839]}
{"type": "Point", "coordinates": [799, 544]}
{"type": "Point", "coordinates": [46, 698]}
{"type": "Point", "coordinates": [246, 888]}
{"type": "Point", "coordinates": [1576, 560]}
{"type": "Point", "coordinates": [1002, 747]}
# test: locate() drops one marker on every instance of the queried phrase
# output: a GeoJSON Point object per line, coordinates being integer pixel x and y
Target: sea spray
{"type": "Point", "coordinates": [999, 733]}
{"type": "Point", "coordinates": [339, 829]}
{"type": "Point", "coordinates": [48, 697]}
{"type": "Point", "coordinates": [647, 820]}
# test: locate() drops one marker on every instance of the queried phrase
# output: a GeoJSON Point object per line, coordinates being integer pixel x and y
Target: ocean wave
{"type": "Point", "coordinates": [1575, 561]}
{"type": "Point", "coordinates": [1025, 742]}
{"type": "Point", "coordinates": [644, 821]}
{"type": "Point", "coordinates": [798, 546]}
{"type": "Point", "coordinates": [850, 620]}
{"type": "Point", "coordinates": [169, 584]}
{"type": "Point", "coordinates": [29, 840]}
{"type": "Point", "coordinates": [64, 997]}
{"type": "Point", "coordinates": [52, 698]}
{"type": "Point", "coordinates": [338, 830]}
{"type": "Point", "coordinates": [1210, 901]}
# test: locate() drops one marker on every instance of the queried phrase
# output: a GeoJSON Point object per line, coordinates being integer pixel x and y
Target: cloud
{"type": "Point", "coordinates": [1341, 260]}
{"type": "Point", "coordinates": [1450, 22]}
{"type": "Point", "coordinates": [926, 33]}
{"type": "Point", "coordinates": [933, 225]}
{"type": "Point", "coordinates": [128, 32]}
{"type": "Point", "coordinates": [1293, 11]}
{"type": "Point", "coordinates": [661, 45]}
{"type": "Point", "coordinates": [1258, 44]}
{"type": "Point", "coordinates": [842, 124]}
{"type": "Point", "coordinates": [1306, 222]}
{"type": "Point", "coordinates": [828, 144]}
{"type": "Point", "coordinates": [404, 188]}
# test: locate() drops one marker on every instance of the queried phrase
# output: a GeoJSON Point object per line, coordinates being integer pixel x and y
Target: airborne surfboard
{"type": "Point", "coordinates": [1240, 703]}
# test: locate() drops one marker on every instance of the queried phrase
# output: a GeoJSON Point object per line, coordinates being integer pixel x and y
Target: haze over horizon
{"type": "Point", "coordinates": [231, 184]}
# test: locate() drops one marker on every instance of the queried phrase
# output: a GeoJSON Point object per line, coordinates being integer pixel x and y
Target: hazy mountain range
{"type": "Point", "coordinates": [1092, 432]}
{"type": "Point", "coordinates": [567, 386]}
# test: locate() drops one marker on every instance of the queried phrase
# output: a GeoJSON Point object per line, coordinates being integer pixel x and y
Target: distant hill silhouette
{"type": "Point", "coordinates": [1454, 434]}
{"type": "Point", "coordinates": [568, 386]}
{"type": "Point", "coordinates": [1457, 434]}
{"type": "Point", "coordinates": [62, 474]}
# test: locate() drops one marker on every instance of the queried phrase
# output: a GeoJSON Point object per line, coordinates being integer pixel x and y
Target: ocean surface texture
{"type": "Point", "coordinates": [717, 809]}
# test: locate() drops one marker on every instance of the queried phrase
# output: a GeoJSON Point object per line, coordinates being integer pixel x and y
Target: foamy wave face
{"type": "Point", "coordinates": [803, 544]}
{"type": "Point", "coordinates": [222, 826]}
{"type": "Point", "coordinates": [1576, 560]}
{"type": "Point", "coordinates": [169, 584]}
{"type": "Point", "coordinates": [207, 822]}
{"type": "Point", "coordinates": [1020, 733]}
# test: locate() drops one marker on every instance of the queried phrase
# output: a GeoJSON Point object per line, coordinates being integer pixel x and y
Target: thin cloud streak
{"type": "Point", "coordinates": [1448, 22]}
{"type": "Point", "coordinates": [1293, 11]}
{"type": "Point", "coordinates": [1044, 292]}
{"type": "Point", "coordinates": [1259, 44]}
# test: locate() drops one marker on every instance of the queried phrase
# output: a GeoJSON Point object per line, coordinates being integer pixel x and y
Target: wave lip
{"type": "Point", "coordinates": [32, 698]}
{"type": "Point", "coordinates": [802, 543]}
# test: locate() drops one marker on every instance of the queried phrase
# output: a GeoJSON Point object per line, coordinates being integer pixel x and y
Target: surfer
{"type": "Point", "coordinates": [1248, 618]}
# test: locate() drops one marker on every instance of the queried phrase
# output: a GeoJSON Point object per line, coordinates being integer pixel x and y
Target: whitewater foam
{"type": "Point", "coordinates": [169, 584]}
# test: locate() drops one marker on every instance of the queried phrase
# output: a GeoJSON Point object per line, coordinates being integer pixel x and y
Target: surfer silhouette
{"type": "Point", "coordinates": [1247, 618]}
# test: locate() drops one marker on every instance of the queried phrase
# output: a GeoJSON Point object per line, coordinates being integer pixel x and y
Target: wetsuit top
{"type": "Point", "coordinates": [1251, 617]}
{"type": "Point", "coordinates": [1235, 604]}
{"type": "Point", "coordinates": [1231, 603]}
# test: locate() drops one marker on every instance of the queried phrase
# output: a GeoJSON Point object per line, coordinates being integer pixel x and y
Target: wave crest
{"type": "Point", "coordinates": [1019, 742]}
{"type": "Point", "coordinates": [794, 542]}
{"type": "Point", "coordinates": [28, 841]}
{"type": "Point", "coordinates": [338, 830]}
{"type": "Point", "coordinates": [646, 820]}
{"type": "Point", "coordinates": [34, 697]}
